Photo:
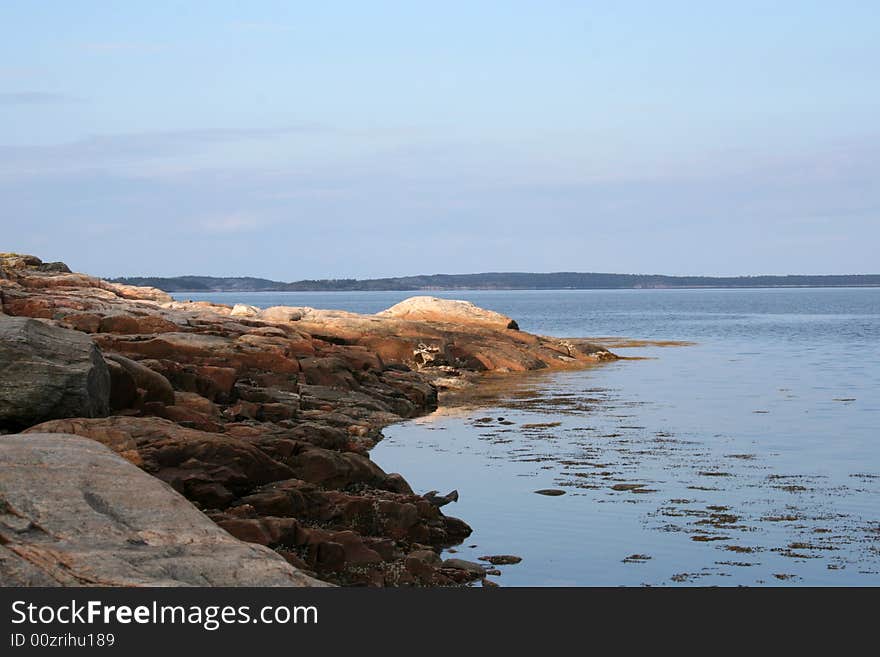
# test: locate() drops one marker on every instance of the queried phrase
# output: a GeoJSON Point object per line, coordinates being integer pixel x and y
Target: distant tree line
{"type": "Point", "coordinates": [495, 281]}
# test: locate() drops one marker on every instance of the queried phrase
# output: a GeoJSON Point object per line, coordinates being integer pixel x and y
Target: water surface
{"type": "Point", "coordinates": [752, 457]}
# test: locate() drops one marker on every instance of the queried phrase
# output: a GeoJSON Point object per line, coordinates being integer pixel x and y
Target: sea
{"type": "Point", "coordinates": [750, 456]}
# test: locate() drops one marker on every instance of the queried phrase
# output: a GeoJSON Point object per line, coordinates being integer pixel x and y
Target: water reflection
{"type": "Point", "coordinates": [644, 502]}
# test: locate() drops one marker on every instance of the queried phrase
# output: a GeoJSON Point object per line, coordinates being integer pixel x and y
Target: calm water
{"type": "Point", "coordinates": [752, 457]}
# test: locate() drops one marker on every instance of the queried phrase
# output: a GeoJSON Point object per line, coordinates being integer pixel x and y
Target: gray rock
{"type": "Point", "coordinates": [48, 372]}
{"type": "Point", "coordinates": [56, 267]}
{"type": "Point", "coordinates": [73, 513]}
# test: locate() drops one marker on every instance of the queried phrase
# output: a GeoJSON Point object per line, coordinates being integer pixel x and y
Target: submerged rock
{"type": "Point", "coordinates": [550, 492]}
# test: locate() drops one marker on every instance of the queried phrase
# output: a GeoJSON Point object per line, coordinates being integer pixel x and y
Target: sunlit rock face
{"type": "Point", "coordinates": [447, 311]}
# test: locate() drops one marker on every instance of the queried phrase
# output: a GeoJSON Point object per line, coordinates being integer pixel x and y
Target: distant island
{"type": "Point", "coordinates": [496, 281]}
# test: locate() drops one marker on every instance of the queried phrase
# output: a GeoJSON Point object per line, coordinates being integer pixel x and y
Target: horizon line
{"type": "Point", "coordinates": [494, 273]}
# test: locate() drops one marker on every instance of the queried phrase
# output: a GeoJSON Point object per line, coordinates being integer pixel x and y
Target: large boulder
{"type": "Point", "coordinates": [452, 311]}
{"type": "Point", "coordinates": [48, 372]}
{"type": "Point", "coordinates": [73, 513]}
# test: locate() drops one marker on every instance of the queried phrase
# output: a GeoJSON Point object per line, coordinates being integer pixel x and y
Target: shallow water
{"type": "Point", "coordinates": [751, 457]}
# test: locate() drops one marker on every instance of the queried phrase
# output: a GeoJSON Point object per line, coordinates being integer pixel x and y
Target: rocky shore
{"type": "Point", "coordinates": [260, 420]}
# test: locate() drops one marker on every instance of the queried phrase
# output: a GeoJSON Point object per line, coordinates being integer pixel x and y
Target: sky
{"type": "Point", "coordinates": [296, 140]}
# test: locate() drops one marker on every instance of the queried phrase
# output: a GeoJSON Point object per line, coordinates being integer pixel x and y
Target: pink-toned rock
{"type": "Point", "coordinates": [111, 434]}
{"type": "Point", "coordinates": [185, 417]}
{"type": "Point", "coordinates": [133, 324]}
{"type": "Point", "coordinates": [85, 322]}
{"type": "Point", "coordinates": [196, 402]}
{"type": "Point", "coordinates": [447, 311]}
{"type": "Point", "coordinates": [138, 293]}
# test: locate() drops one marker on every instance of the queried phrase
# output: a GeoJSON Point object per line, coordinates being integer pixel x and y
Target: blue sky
{"type": "Point", "coordinates": [294, 140]}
